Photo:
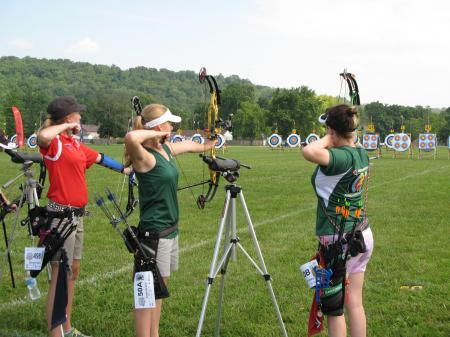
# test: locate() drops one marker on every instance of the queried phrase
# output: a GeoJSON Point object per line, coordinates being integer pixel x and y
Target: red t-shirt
{"type": "Point", "coordinates": [67, 160]}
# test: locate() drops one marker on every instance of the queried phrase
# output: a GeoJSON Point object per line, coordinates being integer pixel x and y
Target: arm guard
{"type": "Point", "coordinates": [110, 163]}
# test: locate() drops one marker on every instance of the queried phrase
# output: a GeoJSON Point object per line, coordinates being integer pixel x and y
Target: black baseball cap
{"type": "Point", "coordinates": [62, 106]}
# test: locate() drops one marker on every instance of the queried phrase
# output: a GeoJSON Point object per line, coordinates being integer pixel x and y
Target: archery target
{"type": "Point", "coordinates": [220, 141]}
{"type": "Point", "coordinates": [13, 139]}
{"type": "Point", "coordinates": [177, 139]}
{"type": "Point", "coordinates": [370, 141]}
{"type": "Point", "coordinates": [198, 138]}
{"type": "Point", "coordinates": [427, 141]}
{"type": "Point", "coordinates": [32, 141]}
{"type": "Point", "coordinates": [293, 140]}
{"type": "Point", "coordinates": [389, 140]}
{"type": "Point", "coordinates": [274, 140]}
{"type": "Point", "coordinates": [312, 137]}
{"type": "Point", "coordinates": [401, 142]}
{"type": "Point", "coordinates": [448, 142]}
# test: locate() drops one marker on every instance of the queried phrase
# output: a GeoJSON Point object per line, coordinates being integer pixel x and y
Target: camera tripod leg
{"type": "Point", "coordinates": [223, 270]}
{"type": "Point", "coordinates": [13, 283]}
{"type": "Point", "coordinates": [229, 251]}
{"type": "Point", "coordinates": [212, 268]}
{"type": "Point", "coordinates": [234, 238]}
{"type": "Point", "coordinates": [262, 264]}
{"type": "Point", "coordinates": [11, 236]}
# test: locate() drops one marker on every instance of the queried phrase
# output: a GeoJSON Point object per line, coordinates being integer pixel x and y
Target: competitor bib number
{"type": "Point", "coordinates": [144, 292]}
{"type": "Point", "coordinates": [33, 258]}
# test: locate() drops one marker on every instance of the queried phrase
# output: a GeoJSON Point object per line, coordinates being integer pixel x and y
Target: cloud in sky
{"type": "Point", "coordinates": [22, 44]}
{"type": "Point", "coordinates": [85, 46]}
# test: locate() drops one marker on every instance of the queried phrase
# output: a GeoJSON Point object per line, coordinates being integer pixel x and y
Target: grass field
{"type": "Point", "coordinates": [409, 210]}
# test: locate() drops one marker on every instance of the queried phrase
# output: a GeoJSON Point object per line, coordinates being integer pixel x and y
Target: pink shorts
{"type": "Point", "coordinates": [358, 263]}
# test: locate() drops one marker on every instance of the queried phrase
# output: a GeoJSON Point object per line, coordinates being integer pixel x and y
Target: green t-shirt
{"type": "Point", "coordinates": [158, 201]}
{"type": "Point", "coordinates": [339, 182]}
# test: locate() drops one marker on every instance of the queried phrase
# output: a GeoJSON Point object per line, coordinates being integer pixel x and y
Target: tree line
{"type": "Point", "coordinates": [256, 111]}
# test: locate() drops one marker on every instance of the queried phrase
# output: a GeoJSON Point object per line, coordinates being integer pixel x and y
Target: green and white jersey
{"type": "Point", "coordinates": [158, 194]}
{"type": "Point", "coordinates": [339, 182]}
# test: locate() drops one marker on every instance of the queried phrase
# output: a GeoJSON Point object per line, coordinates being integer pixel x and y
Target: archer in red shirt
{"type": "Point", "coordinates": [67, 160]}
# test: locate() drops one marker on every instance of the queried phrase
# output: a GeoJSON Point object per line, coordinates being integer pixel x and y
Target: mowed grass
{"type": "Point", "coordinates": [409, 209]}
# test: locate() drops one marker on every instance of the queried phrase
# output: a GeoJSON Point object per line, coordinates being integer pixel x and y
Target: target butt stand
{"type": "Point", "coordinates": [227, 227]}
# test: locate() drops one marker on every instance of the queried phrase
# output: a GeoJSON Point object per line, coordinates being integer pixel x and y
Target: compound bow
{"type": "Point", "coordinates": [132, 201]}
{"type": "Point", "coordinates": [352, 87]}
{"type": "Point", "coordinates": [212, 131]}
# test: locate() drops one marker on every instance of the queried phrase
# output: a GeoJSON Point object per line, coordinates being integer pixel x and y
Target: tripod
{"type": "Point", "coordinates": [30, 196]}
{"type": "Point", "coordinates": [228, 220]}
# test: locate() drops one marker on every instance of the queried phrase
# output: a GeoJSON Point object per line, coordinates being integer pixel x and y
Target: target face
{"type": "Point", "coordinates": [13, 139]}
{"type": "Point", "coordinates": [401, 142]}
{"type": "Point", "coordinates": [198, 138]}
{"type": "Point", "coordinates": [177, 139]}
{"type": "Point", "coordinates": [220, 141]}
{"type": "Point", "coordinates": [370, 141]}
{"type": "Point", "coordinates": [427, 141]}
{"type": "Point", "coordinates": [293, 140]}
{"type": "Point", "coordinates": [32, 141]}
{"type": "Point", "coordinates": [274, 140]}
{"type": "Point", "coordinates": [389, 140]}
{"type": "Point", "coordinates": [312, 137]}
{"type": "Point", "coordinates": [448, 142]}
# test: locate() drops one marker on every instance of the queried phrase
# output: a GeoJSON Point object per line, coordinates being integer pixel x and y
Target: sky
{"type": "Point", "coordinates": [399, 50]}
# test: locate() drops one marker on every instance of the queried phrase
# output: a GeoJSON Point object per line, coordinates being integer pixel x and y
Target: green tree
{"type": "Point", "coordinates": [113, 114]}
{"type": "Point", "coordinates": [249, 121]}
{"type": "Point", "coordinates": [444, 132]}
{"type": "Point", "coordinates": [298, 107]}
{"type": "Point", "coordinates": [233, 96]}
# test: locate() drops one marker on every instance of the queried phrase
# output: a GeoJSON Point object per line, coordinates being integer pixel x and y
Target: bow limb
{"type": "Point", "coordinates": [132, 201]}
{"type": "Point", "coordinates": [352, 87]}
{"type": "Point", "coordinates": [355, 97]}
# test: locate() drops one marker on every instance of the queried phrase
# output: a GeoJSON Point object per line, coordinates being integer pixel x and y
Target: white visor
{"type": "Point", "coordinates": [166, 117]}
{"type": "Point", "coordinates": [322, 118]}
{"type": "Point", "coordinates": [10, 146]}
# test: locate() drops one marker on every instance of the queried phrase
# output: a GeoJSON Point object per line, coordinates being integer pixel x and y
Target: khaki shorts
{"type": "Point", "coordinates": [74, 243]}
{"type": "Point", "coordinates": [167, 256]}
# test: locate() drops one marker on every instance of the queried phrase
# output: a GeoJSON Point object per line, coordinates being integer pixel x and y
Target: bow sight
{"type": "Point", "coordinates": [225, 125]}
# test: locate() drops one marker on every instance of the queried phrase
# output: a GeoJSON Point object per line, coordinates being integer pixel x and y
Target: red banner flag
{"type": "Point", "coordinates": [19, 126]}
